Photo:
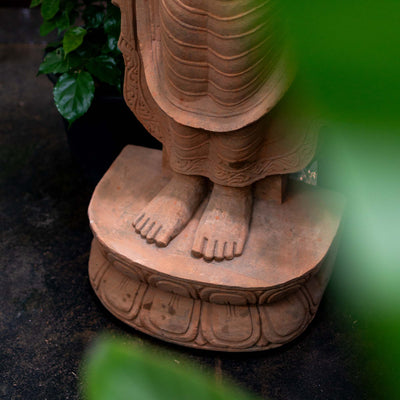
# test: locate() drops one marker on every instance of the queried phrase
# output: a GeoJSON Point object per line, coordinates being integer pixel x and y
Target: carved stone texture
{"type": "Point", "coordinates": [258, 301]}
{"type": "Point", "coordinates": [205, 78]}
{"type": "Point", "coordinates": [236, 144]}
{"type": "Point", "coordinates": [214, 65]}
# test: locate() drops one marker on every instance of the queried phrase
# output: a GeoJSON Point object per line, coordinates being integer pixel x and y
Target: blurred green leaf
{"type": "Point", "coordinates": [35, 3]}
{"type": "Point", "coordinates": [349, 56]}
{"type": "Point", "coordinates": [47, 26]}
{"type": "Point", "coordinates": [117, 371]}
{"type": "Point", "coordinates": [73, 94]}
{"type": "Point", "coordinates": [62, 22]}
{"type": "Point", "coordinates": [70, 9]}
{"type": "Point", "coordinates": [73, 38]}
{"type": "Point", "coordinates": [104, 67]}
{"type": "Point", "coordinates": [54, 62]}
{"type": "Point", "coordinates": [49, 8]}
{"type": "Point", "coordinates": [364, 164]}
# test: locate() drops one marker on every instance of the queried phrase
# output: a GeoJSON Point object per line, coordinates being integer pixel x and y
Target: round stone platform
{"type": "Point", "coordinates": [258, 301]}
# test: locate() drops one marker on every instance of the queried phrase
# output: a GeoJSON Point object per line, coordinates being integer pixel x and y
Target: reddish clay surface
{"type": "Point", "coordinates": [216, 254]}
{"type": "Point", "coordinates": [203, 77]}
{"type": "Point", "coordinates": [282, 272]}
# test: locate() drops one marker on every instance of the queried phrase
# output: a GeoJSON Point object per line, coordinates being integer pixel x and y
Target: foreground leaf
{"type": "Point", "coordinates": [116, 371]}
{"type": "Point", "coordinates": [73, 38]}
{"type": "Point", "coordinates": [49, 8]}
{"type": "Point", "coordinates": [351, 72]}
{"type": "Point", "coordinates": [73, 94]}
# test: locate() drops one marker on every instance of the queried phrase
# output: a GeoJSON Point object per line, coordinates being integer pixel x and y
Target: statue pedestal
{"type": "Point", "coordinates": [258, 301]}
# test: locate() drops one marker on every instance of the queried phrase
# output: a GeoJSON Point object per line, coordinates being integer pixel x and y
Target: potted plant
{"type": "Point", "coordinates": [87, 69]}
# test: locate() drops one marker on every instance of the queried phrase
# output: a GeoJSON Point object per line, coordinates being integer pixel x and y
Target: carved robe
{"type": "Point", "coordinates": [202, 77]}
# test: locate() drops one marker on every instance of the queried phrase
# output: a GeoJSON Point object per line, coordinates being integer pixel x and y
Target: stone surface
{"type": "Point", "coordinates": [210, 65]}
{"type": "Point", "coordinates": [272, 187]}
{"type": "Point", "coordinates": [234, 155]}
{"type": "Point", "coordinates": [203, 78]}
{"type": "Point", "coordinates": [257, 301]}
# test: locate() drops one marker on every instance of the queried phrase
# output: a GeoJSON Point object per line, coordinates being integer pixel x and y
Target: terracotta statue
{"type": "Point", "coordinates": [202, 77]}
{"type": "Point", "coordinates": [210, 79]}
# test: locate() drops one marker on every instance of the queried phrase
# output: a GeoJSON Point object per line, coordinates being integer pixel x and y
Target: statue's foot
{"type": "Point", "coordinates": [169, 212]}
{"type": "Point", "coordinates": [224, 225]}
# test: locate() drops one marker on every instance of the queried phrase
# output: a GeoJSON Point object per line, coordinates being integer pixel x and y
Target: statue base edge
{"type": "Point", "coordinates": [260, 300]}
{"type": "Point", "coordinates": [205, 325]}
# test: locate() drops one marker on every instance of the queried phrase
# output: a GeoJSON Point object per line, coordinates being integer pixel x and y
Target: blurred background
{"type": "Point", "coordinates": [348, 72]}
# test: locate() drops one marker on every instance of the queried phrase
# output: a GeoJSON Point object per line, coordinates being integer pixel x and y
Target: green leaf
{"type": "Point", "coordinates": [112, 22]}
{"type": "Point", "coordinates": [35, 3]}
{"type": "Point", "coordinates": [94, 16]}
{"type": "Point", "coordinates": [105, 69]}
{"type": "Point", "coordinates": [49, 8]}
{"type": "Point", "coordinates": [352, 72]}
{"type": "Point", "coordinates": [62, 21]}
{"type": "Point", "coordinates": [70, 10]}
{"type": "Point", "coordinates": [116, 371]}
{"type": "Point", "coordinates": [73, 94]}
{"type": "Point", "coordinates": [70, 5]}
{"type": "Point", "coordinates": [112, 26]}
{"type": "Point", "coordinates": [47, 27]}
{"type": "Point", "coordinates": [75, 60]}
{"type": "Point", "coordinates": [112, 43]}
{"type": "Point", "coordinates": [73, 38]}
{"type": "Point", "coordinates": [54, 62]}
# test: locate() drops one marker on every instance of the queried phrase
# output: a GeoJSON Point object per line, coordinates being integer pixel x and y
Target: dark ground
{"type": "Point", "coordinates": [48, 311]}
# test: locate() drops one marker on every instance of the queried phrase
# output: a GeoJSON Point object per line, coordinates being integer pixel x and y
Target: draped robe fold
{"type": "Point", "coordinates": [203, 77]}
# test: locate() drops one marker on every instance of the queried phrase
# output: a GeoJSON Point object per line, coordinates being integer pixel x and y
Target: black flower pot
{"type": "Point", "coordinates": [97, 138]}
